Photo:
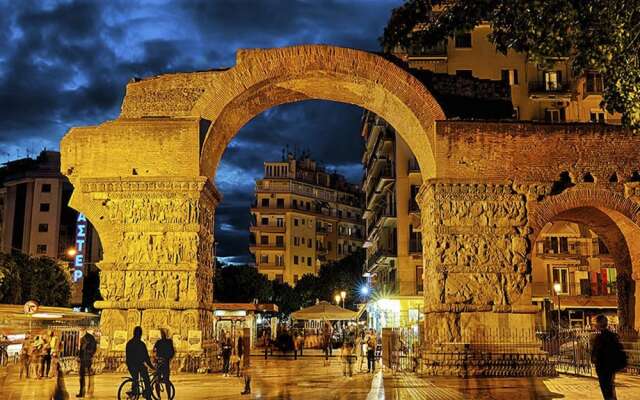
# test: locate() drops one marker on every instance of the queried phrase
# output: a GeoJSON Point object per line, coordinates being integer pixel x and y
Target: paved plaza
{"type": "Point", "coordinates": [313, 378]}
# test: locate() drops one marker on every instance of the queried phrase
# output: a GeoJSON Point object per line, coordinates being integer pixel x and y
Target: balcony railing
{"type": "Point", "coordinates": [380, 255]}
{"type": "Point", "coordinates": [546, 87]}
{"type": "Point", "coordinates": [421, 51]}
{"type": "Point", "coordinates": [545, 289]}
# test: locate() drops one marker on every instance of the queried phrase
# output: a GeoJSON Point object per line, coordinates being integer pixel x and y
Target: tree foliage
{"type": "Point", "coordinates": [33, 278]}
{"type": "Point", "coordinates": [243, 284]}
{"type": "Point", "coordinates": [596, 35]}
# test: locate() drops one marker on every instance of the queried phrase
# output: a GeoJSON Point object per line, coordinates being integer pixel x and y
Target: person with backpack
{"type": "Point", "coordinates": [608, 356]}
{"type": "Point", "coordinates": [87, 351]}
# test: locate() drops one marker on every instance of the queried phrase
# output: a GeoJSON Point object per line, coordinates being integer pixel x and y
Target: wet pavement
{"type": "Point", "coordinates": [313, 378]}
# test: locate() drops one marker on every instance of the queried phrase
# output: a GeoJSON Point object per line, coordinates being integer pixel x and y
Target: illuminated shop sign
{"type": "Point", "coordinates": [81, 235]}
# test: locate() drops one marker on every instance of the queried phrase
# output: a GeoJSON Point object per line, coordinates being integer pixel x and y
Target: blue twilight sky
{"type": "Point", "coordinates": [66, 63]}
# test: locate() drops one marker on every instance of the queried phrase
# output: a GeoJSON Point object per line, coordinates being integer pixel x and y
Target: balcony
{"type": "Point", "coordinates": [268, 228]}
{"type": "Point", "coordinates": [582, 291]}
{"type": "Point", "coordinates": [269, 246]}
{"type": "Point", "coordinates": [545, 90]}
{"type": "Point", "coordinates": [382, 256]}
{"type": "Point", "coordinates": [421, 52]}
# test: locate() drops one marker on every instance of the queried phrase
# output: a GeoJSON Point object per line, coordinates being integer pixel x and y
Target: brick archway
{"type": "Point", "coordinates": [615, 219]}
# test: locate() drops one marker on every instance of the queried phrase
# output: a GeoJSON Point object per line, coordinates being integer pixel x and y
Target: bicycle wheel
{"type": "Point", "coordinates": [160, 391]}
{"type": "Point", "coordinates": [127, 391]}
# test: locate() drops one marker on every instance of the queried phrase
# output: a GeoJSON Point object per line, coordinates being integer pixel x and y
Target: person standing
{"type": "Point", "coordinates": [608, 356]}
{"type": "Point", "coordinates": [227, 348]}
{"type": "Point", "coordinates": [45, 364]}
{"type": "Point", "coordinates": [361, 350]}
{"type": "Point", "coordinates": [346, 353]}
{"type": "Point", "coordinates": [87, 351]}
{"type": "Point", "coordinates": [239, 353]}
{"type": "Point", "coordinates": [137, 360]}
{"type": "Point", "coordinates": [25, 357]}
{"type": "Point", "coordinates": [372, 342]}
{"type": "Point", "coordinates": [54, 345]}
{"type": "Point", "coordinates": [164, 352]}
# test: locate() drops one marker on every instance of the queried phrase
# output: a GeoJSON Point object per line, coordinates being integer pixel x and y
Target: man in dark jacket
{"type": "Point", "coordinates": [608, 356]}
{"type": "Point", "coordinates": [86, 353]}
{"type": "Point", "coordinates": [164, 351]}
{"type": "Point", "coordinates": [137, 359]}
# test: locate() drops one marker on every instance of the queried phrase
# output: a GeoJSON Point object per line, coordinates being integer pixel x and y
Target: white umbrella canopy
{"type": "Point", "coordinates": [324, 311]}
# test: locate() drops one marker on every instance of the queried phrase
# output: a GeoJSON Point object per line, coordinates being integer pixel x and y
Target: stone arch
{"type": "Point", "coordinates": [263, 79]}
{"type": "Point", "coordinates": [615, 219]}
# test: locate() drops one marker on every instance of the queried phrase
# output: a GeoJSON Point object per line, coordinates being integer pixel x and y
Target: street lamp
{"type": "Point", "coordinates": [557, 287]}
{"type": "Point", "coordinates": [343, 295]}
{"type": "Point", "coordinates": [337, 299]}
{"type": "Point", "coordinates": [71, 252]}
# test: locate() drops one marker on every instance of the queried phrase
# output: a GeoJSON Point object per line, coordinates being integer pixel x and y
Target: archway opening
{"type": "Point", "coordinates": [583, 261]}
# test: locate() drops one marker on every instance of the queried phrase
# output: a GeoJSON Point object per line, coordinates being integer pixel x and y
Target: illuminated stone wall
{"type": "Point", "coordinates": [145, 181]}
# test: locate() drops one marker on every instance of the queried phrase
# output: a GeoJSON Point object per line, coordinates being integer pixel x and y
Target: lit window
{"type": "Point", "coordinates": [41, 249]}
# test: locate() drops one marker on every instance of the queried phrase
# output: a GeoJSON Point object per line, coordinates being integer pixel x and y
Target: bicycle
{"type": "Point", "coordinates": [127, 391]}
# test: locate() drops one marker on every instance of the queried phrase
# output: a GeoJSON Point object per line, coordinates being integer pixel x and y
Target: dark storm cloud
{"type": "Point", "coordinates": [66, 63]}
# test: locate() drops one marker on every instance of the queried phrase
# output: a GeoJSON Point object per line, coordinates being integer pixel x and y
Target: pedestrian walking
{"type": "Point", "coordinates": [608, 356]}
{"type": "Point", "coordinates": [34, 359]}
{"type": "Point", "coordinates": [372, 342]}
{"type": "Point", "coordinates": [346, 353]}
{"type": "Point", "coordinates": [45, 363]}
{"type": "Point", "coordinates": [361, 350]}
{"type": "Point", "coordinates": [239, 353]}
{"type": "Point", "coordinates": [137, 360]}
{"type": "Point", "coordinates": [88, 349]}
{"type": "Point", "coordinates": [227, 349]}
{"type": "Point", "coordinates": [60, 390]}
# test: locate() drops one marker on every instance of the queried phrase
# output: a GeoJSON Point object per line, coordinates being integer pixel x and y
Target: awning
{"type": "Point", "coordinates": [324, 311]}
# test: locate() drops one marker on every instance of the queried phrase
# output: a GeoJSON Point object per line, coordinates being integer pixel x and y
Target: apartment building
{"type": "Point", "coordinates": [551, 94]}
{"type": "Point", "coordinates": [393, 241]}
{"type": "Point", "coordinates": [35, 218]}
{"type": "Point", "coordinates": [577, 260]}
{"type": "Point", "coordinates": [303, 217]}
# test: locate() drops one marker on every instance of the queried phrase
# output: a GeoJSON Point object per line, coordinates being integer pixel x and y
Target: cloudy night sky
{"type": "Point", "coordinates": [66, 63]}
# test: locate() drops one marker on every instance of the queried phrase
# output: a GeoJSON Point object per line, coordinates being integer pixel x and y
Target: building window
{"type": "Point", "coordinates": [464, 73]}
{"type": "Point", "coordinates": [280, 222]}
{"type": "Point", "coordinates": [41, 249]}
{"type": "Point", "coordinates": [509, 76]}
{"type": "Point", "coordinates": [265, 221]}
{"type": "Point", "coordinates": [309, 261]}
{"type": "Point", "coordinates": [280, 241]}
{"type": "Point", "coordinates": [597, 116]}
{"type": "Point", "coordinates": [516, 113]}
{"type": "Point", "coordinates": [280, 203]}
{"type": "Point", "coordinates": [43, 227]}
{"type": "Point", "coordinates": [44, 207]}
{"type": "Point", "coordinates": [296, 241]}
{"type": "Point", "coordinates": [46, 188]}
{"type": "Point", "coordinates": [264, 259]}
{"type": "Point", "coordinates": [295, 278]}
{"type": "Point", "coordinates": [552, 80]}
{"type": "Point", "coordinates": [419, 279]}
{"type": "Point", "coordinates": [294, 203]}
{"type": "Point", "coordinates": [554, 114]}
{"type": "Point", "coordinates": [463, 40]}
{"type": "Point", "coordinates": [265, 203]}
{"type": "Point", "coordinates": [594, 83]}
{"type": "Point", "coordinates": [309, 243]}
{"type": "Point", "coordinates": [303, 221]}
{"type": "Point", "coordinates": [295, 260]}
{"type": "Point", "coordinates": [264, 239]}
{"type": "Point", "coordinates": [279, 260]}
{"type": "Point", "coordinates": [279, 278]}
{"type": "Point", "coordinates": [561, 275]}
{"type": "Point", "coordinates": [557, 245]}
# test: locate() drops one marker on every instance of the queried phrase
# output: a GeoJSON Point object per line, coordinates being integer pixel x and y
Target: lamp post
{"type": "Point", "coordinates": [337, 298]}
{"type": "Point", "coordinates": [343, 295]}
{"type": "Point", "coordinates": [557, 287]}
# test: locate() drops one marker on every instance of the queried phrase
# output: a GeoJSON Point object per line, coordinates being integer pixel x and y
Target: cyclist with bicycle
{"type": "Point", "coordinates": [137, 359]}
{"type": "Point", "coordinates": [164, 352]}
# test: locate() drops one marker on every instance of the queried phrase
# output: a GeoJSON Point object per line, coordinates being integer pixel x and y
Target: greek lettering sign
{"type": "Point", "coordinates": [81, 236]}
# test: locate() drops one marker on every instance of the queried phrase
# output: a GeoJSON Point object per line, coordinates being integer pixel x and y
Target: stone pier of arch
{"type": "Point", "coordinates": [145, 181]}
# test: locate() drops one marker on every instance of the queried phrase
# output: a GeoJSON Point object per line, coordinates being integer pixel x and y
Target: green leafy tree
{"type": "Point", "coordinates": [10, 286]}
{"type": "Point", "coordinates": [596, 35]}
{"type": "Point", "coordinates": [35, 278]}
{"type": "Point", "coordinates": [241, 284]}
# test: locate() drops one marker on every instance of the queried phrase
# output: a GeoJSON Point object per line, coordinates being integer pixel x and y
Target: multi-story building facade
{"type": "Point", "coordinates": [393, 241]}
{"type": "Point", "coordinates": [35, 218]}
{"type": "Point", "coordinates": [550, 93]}
{"type": "Point", "coordinates": [575, 258]}
{"type": "Point", "coordinates": [303, 217]}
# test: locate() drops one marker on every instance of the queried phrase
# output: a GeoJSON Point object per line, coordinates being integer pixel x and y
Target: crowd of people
{"type": "Point", "coordinates": [37, 355]}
